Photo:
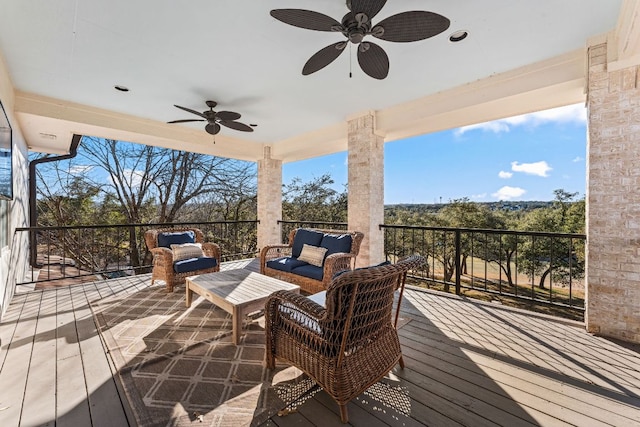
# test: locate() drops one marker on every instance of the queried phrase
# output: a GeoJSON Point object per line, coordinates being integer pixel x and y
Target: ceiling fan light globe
{"type": "Point", "coordinates": [212, 128]}
{"type": "Point", "coordinates": [356, 37]}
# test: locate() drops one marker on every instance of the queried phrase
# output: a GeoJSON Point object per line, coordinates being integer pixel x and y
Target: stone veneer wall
{"type": "Point", "coordinates": [269, 199]}
{"type": "Point", "coordinates": [366, 187]}
{"type": "Point", "coordinates": [613, 199]}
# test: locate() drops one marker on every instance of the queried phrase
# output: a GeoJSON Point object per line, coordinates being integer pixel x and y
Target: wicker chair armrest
{"type": "Point", "coordinates": [162, 255]}
{"type": "Point", "coordinates": [335, 263]}
{"type": "Point", "coordinates": [211, 250]}
{"type": "Point", "coordinates": [272, 252]}
{"type": "Point", "coordinates": [287, 301]}
{"type": "Point", "coordinates": [295, 319]}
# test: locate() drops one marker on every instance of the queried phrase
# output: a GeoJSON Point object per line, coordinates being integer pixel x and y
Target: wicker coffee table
{"type": "Point", "coordinates": [238, 292]}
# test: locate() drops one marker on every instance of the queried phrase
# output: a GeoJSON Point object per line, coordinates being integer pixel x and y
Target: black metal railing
{"type": "Point", "coordinates": [287, 226]}
{"type": "Point", "coordinates": [540, 268]}
{"type": "Point", "coordinates": [84, 253]}
{"type": "Point", "coordinates": [533, 267]}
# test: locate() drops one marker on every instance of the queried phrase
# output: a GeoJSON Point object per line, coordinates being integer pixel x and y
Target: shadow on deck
{"type": "Point", "coordinates": [467, 363]}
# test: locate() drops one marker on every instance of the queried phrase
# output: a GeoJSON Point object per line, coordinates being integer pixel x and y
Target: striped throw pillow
{"type": "Point", "coordinates": [314, 255]}
{"type": "Point", "coordinates": [186, 251]}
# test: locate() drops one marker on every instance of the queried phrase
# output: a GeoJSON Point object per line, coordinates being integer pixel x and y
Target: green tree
{"type": "Point", "coordinates": [314, 200]}
{"type": "Point", "coordinates": [558, 259]}
{"type": "Point", "coordinates": [501, 248]}
{"type": "Point", "coordinates": [462, 213]}
{"type": "Point", "coordinates": [77, 203]}
{"type": "Point", "coordinates": [133, 183]}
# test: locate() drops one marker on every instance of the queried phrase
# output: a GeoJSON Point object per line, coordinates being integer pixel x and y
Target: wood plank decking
{"type": "Point", "coordinates": [467, 363]}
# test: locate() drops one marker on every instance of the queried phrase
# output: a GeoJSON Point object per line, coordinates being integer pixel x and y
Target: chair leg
{"type": "Point", "coordinates": [401, 362]}
{"type": "Point", "coordinates": [269, 360]}
{"type": "Point", "coordinates": [344, 416]}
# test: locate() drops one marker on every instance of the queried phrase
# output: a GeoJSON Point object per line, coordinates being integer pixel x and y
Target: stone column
{"type": "Point", "coordinates": [366, 187]}
{"type": "Point", "coordinates": [269, 199]}
{"type": "Point", "coordinates": [613, 199]}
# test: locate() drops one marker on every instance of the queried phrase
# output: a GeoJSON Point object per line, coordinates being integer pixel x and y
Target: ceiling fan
{"type": "Point", "coordinates": [215, 119]}
{"type": "Point", "coordinates": [356, 24]}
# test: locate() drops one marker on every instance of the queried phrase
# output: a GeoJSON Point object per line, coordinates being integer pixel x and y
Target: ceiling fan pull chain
{"type": "Point", "coordinates": [350, 59]}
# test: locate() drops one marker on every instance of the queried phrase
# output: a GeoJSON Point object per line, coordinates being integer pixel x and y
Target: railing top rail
{"type": "Point", "coordinates": [282, 221]}
{"type": "Point", "coordinates": [486, 231]}
{"type": "Point", "coordinates": [164, 224]}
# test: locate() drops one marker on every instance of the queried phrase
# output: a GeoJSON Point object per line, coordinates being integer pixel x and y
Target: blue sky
{"type": "Point", "coordinates": [520, 158]}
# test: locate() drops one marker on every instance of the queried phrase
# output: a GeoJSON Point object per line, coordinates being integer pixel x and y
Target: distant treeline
{"type": "Point", "coordinates": [521, 206]}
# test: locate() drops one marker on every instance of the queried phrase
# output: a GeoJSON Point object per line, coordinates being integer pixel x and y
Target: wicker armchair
{"type": "Point", "coordinates": [350, 343]}
{"type": "Point", "coordinates": [333, 263]}
{"type": "Point", "coordinates": [163, 262]}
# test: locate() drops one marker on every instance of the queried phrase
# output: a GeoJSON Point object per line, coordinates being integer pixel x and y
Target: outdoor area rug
{"type": "Point", "coordinates": [178, 366]}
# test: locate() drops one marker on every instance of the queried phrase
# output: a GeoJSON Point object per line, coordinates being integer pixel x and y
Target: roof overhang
{"type": "Point", "coordinates": [497, 90]}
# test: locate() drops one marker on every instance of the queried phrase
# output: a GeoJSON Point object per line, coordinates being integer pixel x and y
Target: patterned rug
{"type": "Point", "coordinates": [179, 367]}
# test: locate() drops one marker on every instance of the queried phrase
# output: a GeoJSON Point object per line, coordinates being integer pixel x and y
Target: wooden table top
{"type": "Point", "coordinates": [240, 286]}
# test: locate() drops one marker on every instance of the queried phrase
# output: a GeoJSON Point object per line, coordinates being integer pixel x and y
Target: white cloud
{"type": "Point", "coordinates": [131, 176]}
{"type": "Point", "coordinates": [541, 168]}
{"type": "Point", "coordinates": [508, 193]}
{"type": "Point", "coordinates": [578, 159]}
{"type": "Point", "coordinates": [479, 196]}
{"type": "Point", "coordinates": [570, 114]}
{"type": "Point", "coordinates": [80, 169]}
{"type": "Point", "coordinates": [495, 127]}
{"type": "Point", "coordinates": [505, 174]}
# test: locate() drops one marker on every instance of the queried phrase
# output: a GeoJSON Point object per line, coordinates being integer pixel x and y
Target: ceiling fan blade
{"type": "Point", "coordinates": [189, 110]}
{"type": "Point", "coordinates": [306, 19]}
{"type": "Point", "coordinates": [411, 26]}
{"type": "Point", "coordinates": [323, 57]}
{"type": "Point", "coordinates": [212, 128]}
{"type": "Point", "coordinates": [368, 7]}
{"type": "Point", "coordinates": [373, 60]}
{"type": "Point", "coordinates": [236, 125]}
{"type": "Point", "coordinates": [187, 120]}
{"type": "Point", "coordinates": [227, 115]}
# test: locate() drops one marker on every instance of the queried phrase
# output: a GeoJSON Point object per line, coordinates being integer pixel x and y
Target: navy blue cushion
{"type": "Point", "coordinates": [193, 264]}
{"type": "Point", "coordinates": [165, 240]}
{"type": "Point", "coordinates": [336, 243]}
{"type": "Point", "coordinates": [285, 264]}
{"type": "Point", "coordinates": [309, 271]}
{"type": "Point", "coordinates": [303, 235]}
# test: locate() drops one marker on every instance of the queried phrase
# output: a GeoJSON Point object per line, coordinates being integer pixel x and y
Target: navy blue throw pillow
{"type": "Point", "coordinates": [303, 235]}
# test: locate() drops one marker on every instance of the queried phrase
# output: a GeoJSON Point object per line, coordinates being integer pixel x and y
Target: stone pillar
{"type": "Point", "coordinates": [366, 187]}
{"type": "Point", "coordinates": [269, 199]}
{"type": "Point", "coordinates": [613, 199]}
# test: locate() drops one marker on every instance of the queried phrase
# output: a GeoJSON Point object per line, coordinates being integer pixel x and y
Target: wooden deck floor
{"type": "Point", "coordinates": [467, 363]}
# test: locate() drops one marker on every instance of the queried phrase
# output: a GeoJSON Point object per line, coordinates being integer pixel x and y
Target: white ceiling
{"type": "Point", "coordinates": [65, 56]}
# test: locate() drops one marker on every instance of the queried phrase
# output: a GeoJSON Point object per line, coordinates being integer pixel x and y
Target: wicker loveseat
{"type": "Point", "coordinates": [350, 342]}
{"type": "Point", "coordinates": [172, 270]}
{"type": "Point", "coordinates": [286, 263]}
